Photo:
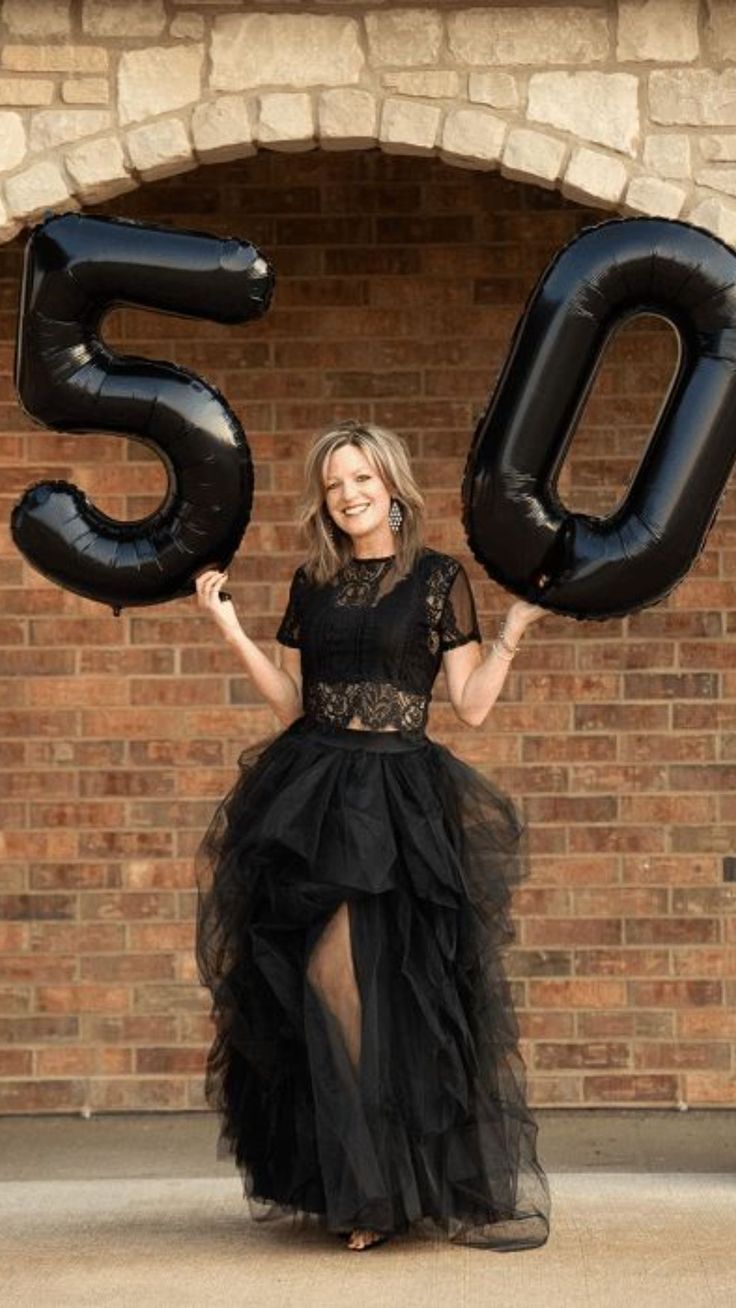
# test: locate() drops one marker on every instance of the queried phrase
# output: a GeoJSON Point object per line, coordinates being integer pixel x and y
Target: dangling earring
{"type": "Point", "coordinates": [330, 528]}
{"type": "Point", "coordinates": [395, 516]}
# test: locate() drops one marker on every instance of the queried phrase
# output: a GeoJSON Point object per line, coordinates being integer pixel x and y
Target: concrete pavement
{"type": "Point", "coordinates": [135, 1209]}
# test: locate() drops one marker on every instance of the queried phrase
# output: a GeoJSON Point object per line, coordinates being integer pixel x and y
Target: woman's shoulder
{"type": "Point", "coordinates": [438, 561]}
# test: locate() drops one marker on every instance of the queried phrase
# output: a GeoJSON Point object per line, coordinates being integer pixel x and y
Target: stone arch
{"type": "Point", "coordinates": [613, 106]}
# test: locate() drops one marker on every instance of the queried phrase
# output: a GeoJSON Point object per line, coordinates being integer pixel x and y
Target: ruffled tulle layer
{"type": "Point", "coordinates": [353, 907]}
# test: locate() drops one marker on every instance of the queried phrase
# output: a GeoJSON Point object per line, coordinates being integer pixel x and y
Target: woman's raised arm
{"type": "Point", "coordinates": [279, 686]}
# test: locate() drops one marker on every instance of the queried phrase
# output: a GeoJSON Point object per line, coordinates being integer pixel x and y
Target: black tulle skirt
{"type": "Point", "coordinates": [353, 893]}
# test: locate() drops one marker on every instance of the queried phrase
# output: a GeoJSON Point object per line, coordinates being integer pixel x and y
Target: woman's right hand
{"type": "Point", "coordinates": [208, 597]}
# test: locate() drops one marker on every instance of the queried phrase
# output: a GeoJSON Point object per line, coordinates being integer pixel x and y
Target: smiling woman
{"type": "Point", "coordinates": [354, 888]}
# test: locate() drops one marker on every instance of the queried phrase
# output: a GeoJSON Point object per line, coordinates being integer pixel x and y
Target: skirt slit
{"type": "Point", "coordinates": [330, 971]}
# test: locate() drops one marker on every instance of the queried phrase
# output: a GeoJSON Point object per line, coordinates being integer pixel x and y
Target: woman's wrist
{"type": "Point", "coordinates": [508, 638]}
{"type": "Point", "coordinates": [233, 635]}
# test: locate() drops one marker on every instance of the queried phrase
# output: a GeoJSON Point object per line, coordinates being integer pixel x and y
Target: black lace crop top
{"type": "Point", "coordinates": [372, 642]}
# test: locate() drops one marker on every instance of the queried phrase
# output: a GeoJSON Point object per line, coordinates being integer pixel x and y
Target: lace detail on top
{"type": "Point", "coordinates": [378, 705]}
{"type": "Point", "coordinates": [372, 640]}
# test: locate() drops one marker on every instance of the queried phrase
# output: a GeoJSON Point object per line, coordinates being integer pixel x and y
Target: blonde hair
{"type": "Point", "coordinates": [388, 452]}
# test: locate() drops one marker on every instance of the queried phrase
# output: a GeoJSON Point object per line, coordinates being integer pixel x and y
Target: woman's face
{"type": "Point", "coordinates": [356, 496]}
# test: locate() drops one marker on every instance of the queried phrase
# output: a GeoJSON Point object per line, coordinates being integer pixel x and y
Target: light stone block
{"type": "Point", "coordinates": [160, 149]}
{"type": "Point", "coordinates": [651, 195]}
{"type": "Point", "coordinates": [408, 127]}
{"type": "Point", "coordinates": [286, 121]}
{"type": "Point", "coordinates": [721, 29]}
{"type": "Point", "coordinates": [188, 27]}
{"type": "Point", "coordinates": [668, 154]}
{"type": "Point", "coordinates": [718, 179]}
{"type": "Point", "coordinates": [594, 106]}
{"type": "Point", "coordinates": [54, 58]}
{"type": "Point", "coordinates": [52, 127]}
{"type": "Point", "coordinates": [663, 31]}
{"type": "Point", "coordinates": [534, 35]}
{"type": "Point", "coordinates": [85, 90]}
{"type": "Point", "coordinates": [25, 91]}
{"type": "Point", "coordinates": [718, 147]}
{"type": "Point", "coordinates": [594, 178]}
{"type": "Point", "coordinates": [497, 89]}
{"type": "Point", "coordinates": [98, 170]}
{"type": "Point", "coordinates": [222, 129]}
{"type": "Point", "coordinates": [9, 227]}
{"type": "Point", "coordinates": [694, 96]}
{"type": "Point", "coordinates": [123, 17]}
{"type": "Point", "coordinates": [404, 37]}
{"type": "Point", "coordinates": [348, 119]}
{"type": "Point", "coordinates": [431, 85]}
{"type": "Point", "coordinates": [250, 50]}
{"type": "Point", "coordinates": [533, 157]}
{"type": "Point", "coordinates": [157, 80]}
{"type": "Point", "coordinates": [473, 138]}
{"type": "Point", "coordinates": [716, 217]}
{"type": "Point", "coordinates": [40, 187]}
{"type": "Point", "coordinates": [12, 140]}
{"type": "Point", "coordinates": [37, 18]}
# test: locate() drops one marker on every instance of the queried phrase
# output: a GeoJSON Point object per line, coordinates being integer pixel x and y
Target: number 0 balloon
{"type": "Point", "coordinates": [516, 525]}
{"type": "Point", "coordinates": [76, 268]}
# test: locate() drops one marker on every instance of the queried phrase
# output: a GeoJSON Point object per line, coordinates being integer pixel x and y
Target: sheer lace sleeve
{"type": "Point", "coordinates": [459, 621]}
{"type": "Point", "coordinates": [289, 632]}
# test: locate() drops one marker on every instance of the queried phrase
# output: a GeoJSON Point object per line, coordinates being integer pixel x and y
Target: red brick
{"type": "Point", "coordinates": [572, 931]}
{"type": "Point", "coordinates": [577, 993]}
{"type": "Point", "coordinates": [35, 1029]}
{"type": "Point", "coordinates": [630, 1089]}
{"type": "Point", "coordinates": [568, 871]}
{"type": "Point", "coordinates": [670, 871]}
{"type": "Point", "coordinates": [128, 904]}
{"type": "Point", "coordinates": [81, 998]}
{"type": "Point", "coordinates": [127, 967]}
{"type": "Point", "coordinates": [700, 962]}
{"type": "Point", "coordinates": [36, 907]}
{"type": "Point", "coordinates": [139, 1093]}
{"type": "Point", "coordinates": [42, 1096]}
{"type": "Point", "coordinates": [711, 1089]}
{"type": "Point", "coordinates": [621, 962]}
{"type": "Point", "coordinates": [172, 1061]}
{"type": "Point", "coordinates": [669, 1055]}
{"type": "Point", "coordinates": [129, 1028]}
{"type": "Point", "coordinates": [675, 994]}
{"type": "Point", "coordinates": [78, 1061]}
{"type": "Point", "coordinates": [547, 1091]}
{"type": "Point", "coordinates": [624, 839]}
{"type": "Point", "coordinates": [563, 749]}
{"type": "Point", "coordinates": [34, 968]}
{"type": "Point", "coordinates": [666, 748]}
{"type": "Point", "coordinates": [603, 1025]}
{"type": "Point", "coordinates": [671, 930]}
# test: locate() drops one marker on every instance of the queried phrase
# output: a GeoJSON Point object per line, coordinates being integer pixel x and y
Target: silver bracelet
{"type": "Point", "coordinates": [498, 649]}
{"type": "Point", "coordinates": [510, 649]}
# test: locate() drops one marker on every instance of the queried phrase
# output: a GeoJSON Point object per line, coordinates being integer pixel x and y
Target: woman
{"type": "Point", "coordinates": [354, 886]}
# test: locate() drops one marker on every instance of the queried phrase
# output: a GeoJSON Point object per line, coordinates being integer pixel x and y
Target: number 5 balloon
{"type": "Point", "coordinates": [516, 525]}
{"type": "Point", "coordinates": [76, 268]}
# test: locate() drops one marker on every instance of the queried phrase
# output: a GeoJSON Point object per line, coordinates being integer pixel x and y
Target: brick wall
{"type": "Point", "coordinates": [399, 282]}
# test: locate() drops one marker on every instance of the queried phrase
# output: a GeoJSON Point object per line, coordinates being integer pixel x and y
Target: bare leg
{"type": "Point", "coordinates": [331, 972]}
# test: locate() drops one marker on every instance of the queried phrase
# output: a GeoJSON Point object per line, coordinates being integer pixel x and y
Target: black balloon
{"type": "Point", "coordinates": [516, 525]}
{"type": "Point", "coordinates": [76, 268]}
